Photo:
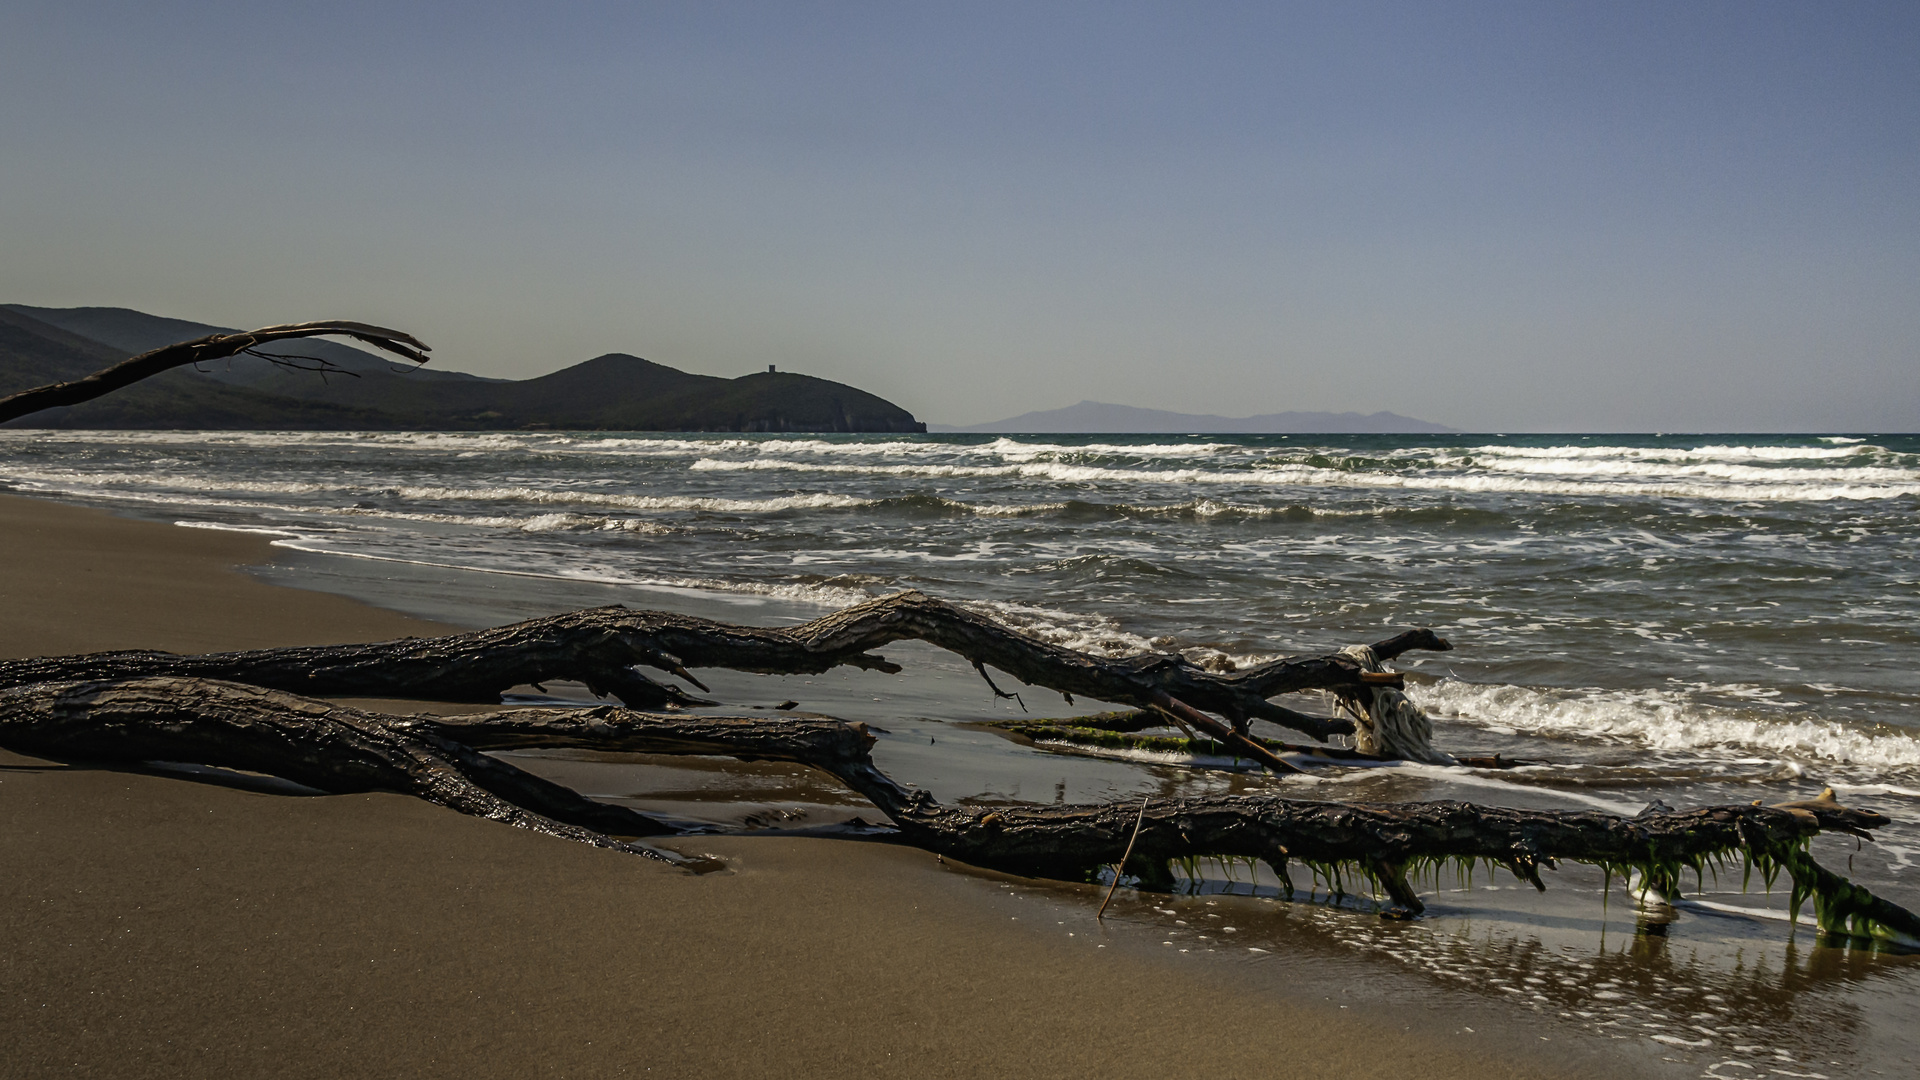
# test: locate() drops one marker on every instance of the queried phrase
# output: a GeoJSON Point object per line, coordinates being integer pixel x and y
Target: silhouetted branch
{"type": "Point", "coordinates": [211, 347]}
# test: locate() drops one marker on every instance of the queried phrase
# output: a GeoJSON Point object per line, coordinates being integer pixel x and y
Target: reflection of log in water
{"type": "Point", "coordinates": [1779, 997]}
{"type": "Point", "coordinates": [338, 749]}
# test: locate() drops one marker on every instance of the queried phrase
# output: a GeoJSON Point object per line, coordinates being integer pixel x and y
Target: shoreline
{"type": "Point", "coordinates": [80, 579]}
{"type": "Point", "coordinates": [173, 927]}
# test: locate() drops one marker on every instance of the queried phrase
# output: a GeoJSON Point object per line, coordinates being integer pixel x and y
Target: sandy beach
{"type": "Point", "coordinates": [1400, 518]}
{"type": "Point", "coordinates": [166, 927]}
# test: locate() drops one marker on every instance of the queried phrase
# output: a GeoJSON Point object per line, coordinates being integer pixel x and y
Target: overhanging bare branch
{"type": "Point", "coordinates": [211, 347]}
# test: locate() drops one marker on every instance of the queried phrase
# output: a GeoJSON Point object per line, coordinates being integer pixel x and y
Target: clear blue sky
{"type": "Point", "coordinates": [1526, 216]}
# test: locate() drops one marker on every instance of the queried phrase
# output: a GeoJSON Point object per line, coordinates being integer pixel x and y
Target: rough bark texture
{"type": "Point", "coordinates": [211, 347]}
{"type": "Point", "coordinates": [335, 748]}
{"type": "Point", "coordinates": [601, 647]}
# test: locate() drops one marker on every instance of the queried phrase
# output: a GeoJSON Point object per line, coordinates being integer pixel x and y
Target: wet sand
{"type": "Point", "coordinates": [163, 927]}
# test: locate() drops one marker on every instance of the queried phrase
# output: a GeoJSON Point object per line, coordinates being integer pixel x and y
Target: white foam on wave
{"type": "Point", "coordinates": [1805, 472]}
{"type": "Point", "coordinates": [668, 446]}
{"type": "Point", "coordinates": [624, 445]}
{"type": "Point", "coordinates": [179, 482]}
{"type": "Point", "coordinates": [1004, 449]}
{"type": "Point", "coordinates": [1173, 758]}
{"type": "Point", "coordinates": [824, 594]}
{"type": "Point", "coordinates": [1016, 451]}
{"type": "Point", "coordinates": [557, 522]}
{"type": "Point", "coordinates": [1665, 720]}
{"type": "Point", "coordinates": [433, 440]}
{"type": "Point", "coordinates": [168, 489]}
{"type": "Point", "coordinates": [1457, 776]}
{"type": "Point", "coordinates": [565, 496]}
{"type": "Point", "coordinates": [167, 500]}
{"type": "Point", "coordinates": [1813, 488]}
{"type": "Point", "coordinates": [228, 526]}
{"type": "Point", "coordinates": [1711, 470]}
{"type": "Point", "coordinates": [821, 593]}
{"type": "Point", "coordinates": [1085, 633]}
{"type": "Point", "coordinates": [536, 523]}
{"type": "Point", "coordinates": [175, 488]}
{"type": "Point", "coordinates": [1673, 453]}
{"type": "Point", "coordinates": [582, 523]}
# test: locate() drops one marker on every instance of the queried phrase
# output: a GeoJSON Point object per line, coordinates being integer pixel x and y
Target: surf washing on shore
{"type": "Point", "coordinates": [1690, 619]}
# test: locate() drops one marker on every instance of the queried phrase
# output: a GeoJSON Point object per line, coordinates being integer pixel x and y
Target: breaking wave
{"type": "Point", "coordinates": [1663, 720]}
{"type": "Point", "coordinates": [1719, 482]}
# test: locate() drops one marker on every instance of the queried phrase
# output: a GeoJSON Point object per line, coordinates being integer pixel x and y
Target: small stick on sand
{"type": "Point", "coordinates": [1122, 864]}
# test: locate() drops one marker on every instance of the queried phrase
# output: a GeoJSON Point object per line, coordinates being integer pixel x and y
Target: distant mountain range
{"type": "Point", "coordinates": [1094, 417]}
{"type": "Point", "coordinates": [615, 392]}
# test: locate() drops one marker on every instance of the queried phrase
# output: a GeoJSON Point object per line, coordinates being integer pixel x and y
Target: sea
{"type": "Point", "coordinates": [1682, 618]}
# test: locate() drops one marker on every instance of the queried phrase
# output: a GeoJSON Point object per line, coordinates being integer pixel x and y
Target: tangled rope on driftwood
{"type": "Point", "coordinates": [1386, 723]}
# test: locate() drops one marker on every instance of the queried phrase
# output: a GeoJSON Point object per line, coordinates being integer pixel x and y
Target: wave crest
{"type": "Point", "coordinates": [1662, 720]}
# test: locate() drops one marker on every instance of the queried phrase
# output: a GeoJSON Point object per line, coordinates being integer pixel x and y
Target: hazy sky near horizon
{"type": "Point", "coordinates": [1500, 216]}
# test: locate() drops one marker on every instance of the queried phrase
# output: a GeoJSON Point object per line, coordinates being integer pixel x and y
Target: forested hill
{"type": "Point", "coordinates": [615, 392]}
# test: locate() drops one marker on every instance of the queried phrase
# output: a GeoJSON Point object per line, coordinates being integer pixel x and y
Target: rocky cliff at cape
{"type": "Point", "coordinates": [615, 392]}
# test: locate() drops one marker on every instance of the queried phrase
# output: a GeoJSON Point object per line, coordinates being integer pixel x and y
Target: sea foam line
{"type": "Point", "coordinates": [164, 488]}
{"type": "Point", "coordinates": [823, 595]}
{"type": "Point", "coordinates": [1855, 448]}
{"type": "Point", "coordinates": [1309, 476]}
{"type": "Point", "coordinates": [1662, 721]}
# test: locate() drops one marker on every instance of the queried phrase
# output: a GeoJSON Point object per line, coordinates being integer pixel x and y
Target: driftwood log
{"type": "Point", "coordinates": [603, 647]}
{"type": "Point", "coordinates": [211, 347]}
{"type": "Point", "coordinates": [340, 749]}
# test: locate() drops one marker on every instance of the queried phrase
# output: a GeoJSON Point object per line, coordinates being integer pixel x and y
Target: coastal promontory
{"type": "Point", "coordinates": [359, 391]}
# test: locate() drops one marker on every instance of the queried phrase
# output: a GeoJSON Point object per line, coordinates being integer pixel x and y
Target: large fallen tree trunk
{"type": "Point", "coordinates": [602, 647]}
{"type": "Point", "coordinates": [336, 748]}
{"type": "Point", "coordinates": [211, 347]}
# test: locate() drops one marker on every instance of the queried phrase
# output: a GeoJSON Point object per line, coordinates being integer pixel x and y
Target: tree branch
{"type": "Point", "coordinates": [211, 347]}
{"type": "Point", "coordinates": [602, 646]}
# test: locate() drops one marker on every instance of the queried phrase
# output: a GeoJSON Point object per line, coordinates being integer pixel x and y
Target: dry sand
{"type": "Point", "coordinates": [163, 927]}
